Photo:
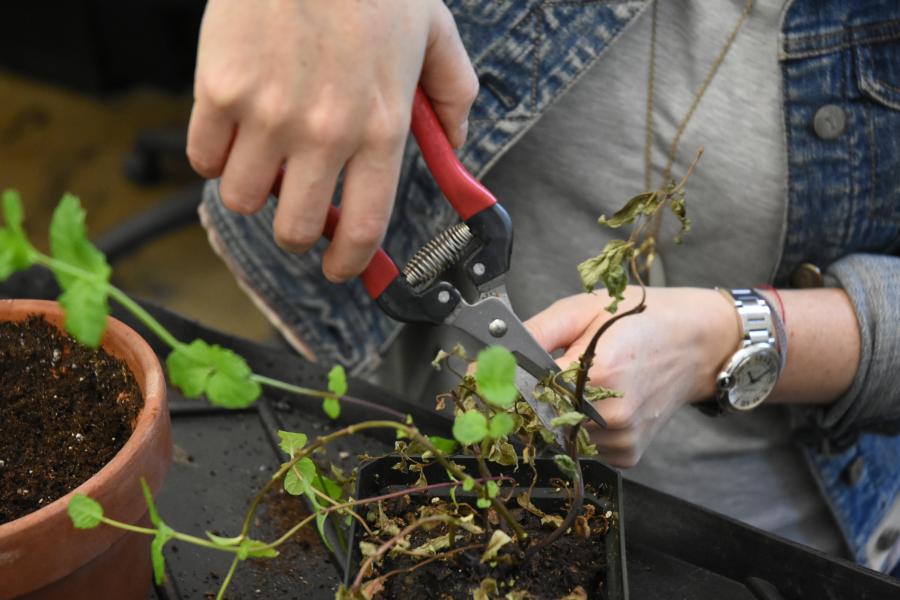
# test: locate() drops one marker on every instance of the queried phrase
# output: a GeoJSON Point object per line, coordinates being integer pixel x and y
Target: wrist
{"type": "Point", "coordinates": [721, 335]}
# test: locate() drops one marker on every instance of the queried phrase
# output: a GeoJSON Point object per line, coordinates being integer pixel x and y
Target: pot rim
{"type": "Point", "coordinates": [124, 343]}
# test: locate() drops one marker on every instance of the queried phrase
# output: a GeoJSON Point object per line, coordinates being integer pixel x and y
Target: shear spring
{"type": "Point", "coordinates": [438, 254]}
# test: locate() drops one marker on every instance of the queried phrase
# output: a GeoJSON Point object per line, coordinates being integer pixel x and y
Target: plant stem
{"type": "Point", "coordinates": [146, 318]}
{"type": "Point", "coordinates": [227, 580]}
{"type": "Point", "coordinates": [393, 541]}
{"type": "Point", "coordinates": [127, 526]}
{"type": "Point", "coordinates": [305, 391]}
{"type": "Point", "coordinates": [121, 297]}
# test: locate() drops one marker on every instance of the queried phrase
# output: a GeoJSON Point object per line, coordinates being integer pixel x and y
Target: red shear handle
{"type": "Point", "coordinates": [380, 271]}
{"type": "Point", "coordinates": [465, 193]}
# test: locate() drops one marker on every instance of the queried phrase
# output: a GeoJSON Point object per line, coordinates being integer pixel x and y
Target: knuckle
{"type": "Point", "coordinates": [237, 197]}
{"type": "Point", "coordinates": [272, 110]}
{"type": "Point", "coordinates": [387, 128]}
{"type": "Point", "coordinates": [366, 233]}
{"type": "Point", "coordinates": [224, 89]}
{"type": "Point", "coordinates": [621, 415]}
{"type": "Point", "coordinates": [292, 237]}
{"type": "Point", "coordinates": [202, 163]}
{"type": "Point", "coordinates": [329, 128]}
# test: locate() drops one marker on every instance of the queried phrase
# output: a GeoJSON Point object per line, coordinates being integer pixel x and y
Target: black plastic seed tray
{"type": "Point", "coordinates": [603, 490]}
{"type": "Point", "coordinates": [675, 550]}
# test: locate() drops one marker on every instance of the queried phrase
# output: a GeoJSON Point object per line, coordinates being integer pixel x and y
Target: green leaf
{"type": "Point", "coordinates": [568, 418]}
{"type": "Point", "coordinates": [299, 479]}
{"type": "Point", "coordinates": [332, 407]}
{"type": "Point", "coordinates": [86, 307]}
{"type": "Point", "coordinates": [501, 425]}
{"type": "Point", "coordinates": [16, 253]}
{"type": "Point", "coordinates": [291, 442]}
{"type": "Point", "coordinates": [468, 484]}
{"type": "Point", "coordinates": [642, 204]}
{"type": "Point", "coordinates": [328, 486]}
{"type": "Point", "coordinates": [566, 465]}
{"type": "Point", "coordinates": [495, 375]}
{"type": "Point", "coordinates": [164, 533]}
{"type": "Point", "coordinates": [225, 377]}
{"type": "Point", "coordinates": [224, 541]}
{"type": "Point", "coordinates": [492, 488]}
{"type": "Point", "coordinates": [13, 213]}
{"type": "Point", "coordinates": [445, 445]}
{"type": "Point", "coordinates": [609, 268]}
{"type": "Point", "coordinates": [151, 507]}
{"type": "Point", "coordinates": [84, 297]}
{"type": "Point", "coordinates": [337, 381]}
{"type": "Point", "coordinates": [483, 503]}
{"type": "Point", "coordinates": [255, 549]}
{"type": "Point", "coordinates": [85, 513]}
{"type": "Point", "coordinates": [69, 242]}
{"type": "Point", "coordinates": [470, 427]}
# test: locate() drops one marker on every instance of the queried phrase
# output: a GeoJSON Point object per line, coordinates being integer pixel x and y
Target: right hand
{"type": "Point", "coordinates": [317, 87]}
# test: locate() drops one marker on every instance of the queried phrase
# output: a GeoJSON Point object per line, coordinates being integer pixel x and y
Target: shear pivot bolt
{"type": "Point", "coordinates": [478, 269]}
{"type": "Point", "coordinates": [443, 296]}
{"type": "Point", "coordinates": [497, 328]}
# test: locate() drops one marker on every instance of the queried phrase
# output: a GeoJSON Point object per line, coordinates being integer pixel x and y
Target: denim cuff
{"type": "Point", "coordinates": [872, 404]}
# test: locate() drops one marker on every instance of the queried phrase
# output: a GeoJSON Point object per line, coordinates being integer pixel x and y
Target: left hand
{"type": "Point", "coordinates": [660, 359]}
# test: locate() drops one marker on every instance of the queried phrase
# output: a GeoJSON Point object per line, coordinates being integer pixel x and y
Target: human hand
{"type": "Point", "coordinates": [317, 87]}
{"type": "Point", "coordinates": [660, 359]}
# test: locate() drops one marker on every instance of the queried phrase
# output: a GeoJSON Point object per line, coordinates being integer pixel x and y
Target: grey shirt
{"type": "Point", "coordinates": [585, 158]}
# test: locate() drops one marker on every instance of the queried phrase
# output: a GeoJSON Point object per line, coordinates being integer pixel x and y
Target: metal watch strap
{"type": "Point", "coordinates": [755, 316]}
{"type": "Point", "coordinates": [757, 327]}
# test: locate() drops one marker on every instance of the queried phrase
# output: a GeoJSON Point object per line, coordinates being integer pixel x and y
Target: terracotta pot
{"type": "Point", "coordinates": [42, 556]}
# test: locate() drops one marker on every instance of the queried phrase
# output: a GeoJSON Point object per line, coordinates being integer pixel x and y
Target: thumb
{"type": "Point", "coordinates": [448, 78]}
{"type": "Point", "coordinates": [563, 322]}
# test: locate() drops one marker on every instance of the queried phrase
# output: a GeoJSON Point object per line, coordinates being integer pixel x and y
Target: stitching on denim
{"type": "Point", "coordinates": [841, 42]}
{"type": "Point", "coordinates": [828, 50]}
{"type": "Point", "coordinates": [845, 34]}
{"type": "Point", "coordinates": [873, 86]}
{"type": "Point", "coordinates": [872, 212]}
{"type": "Point", "coordinates": [850, 228]}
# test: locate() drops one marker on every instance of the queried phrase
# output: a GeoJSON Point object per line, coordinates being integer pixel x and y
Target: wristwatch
{"type": "Point", "coordinates": [749, 375]}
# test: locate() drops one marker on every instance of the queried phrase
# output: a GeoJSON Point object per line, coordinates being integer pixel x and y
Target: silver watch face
{"type": "Point", "coordinates": [749, 377]}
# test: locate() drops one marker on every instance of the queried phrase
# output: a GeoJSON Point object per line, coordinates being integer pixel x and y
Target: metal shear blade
{"type": "Point", "coordinates": [490, 320]}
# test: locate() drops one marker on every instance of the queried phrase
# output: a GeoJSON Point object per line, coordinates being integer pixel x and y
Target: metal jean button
{"type": "Point", "coordinates": [853, 471]}
{"type": "Point", "coordinates": [829, 122]}
{"type": "Point", "coordinates": [807, 275]}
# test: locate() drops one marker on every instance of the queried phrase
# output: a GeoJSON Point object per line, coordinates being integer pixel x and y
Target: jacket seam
{"type": "Point", "coordinates": [842, 40]}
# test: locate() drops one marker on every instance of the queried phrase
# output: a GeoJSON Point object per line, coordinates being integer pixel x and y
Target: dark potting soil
{"type": "Point", "coordinates": [65, 410]}
{"type": "Point", "coordinates": [573, 566]}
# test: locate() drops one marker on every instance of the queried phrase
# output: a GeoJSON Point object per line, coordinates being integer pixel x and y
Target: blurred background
{"type": "Point", "coordinates": [95, 97]}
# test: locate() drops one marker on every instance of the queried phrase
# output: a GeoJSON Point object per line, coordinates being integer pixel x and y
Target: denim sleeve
{"type": "Point", "coordinates": [872, 404]}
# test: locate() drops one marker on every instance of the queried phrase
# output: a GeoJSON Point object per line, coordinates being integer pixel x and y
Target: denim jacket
{"type": "Point", "coordinates": [841, 83]}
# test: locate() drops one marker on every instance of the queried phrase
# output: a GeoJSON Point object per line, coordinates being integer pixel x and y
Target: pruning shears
{"type": "Point", "coordinates": [483, 241]}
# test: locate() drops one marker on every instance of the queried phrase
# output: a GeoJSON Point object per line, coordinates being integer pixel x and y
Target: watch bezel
{"type": "Point", "coordinates": [725, 380]}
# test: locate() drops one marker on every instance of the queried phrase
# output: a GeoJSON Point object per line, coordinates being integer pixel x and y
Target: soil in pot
{"type": "Point", "coordinates": [574, 566]}
{"type": "Point", "coordinates": [65, 411]}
